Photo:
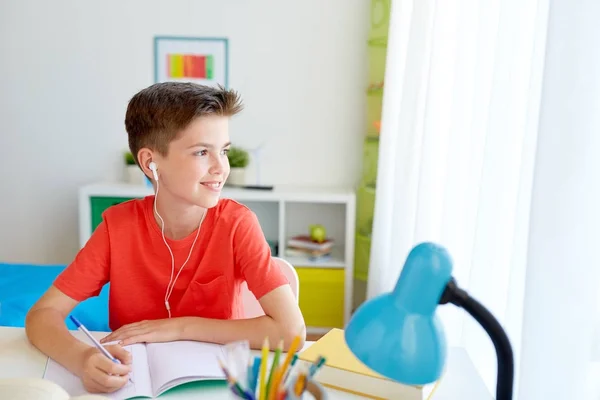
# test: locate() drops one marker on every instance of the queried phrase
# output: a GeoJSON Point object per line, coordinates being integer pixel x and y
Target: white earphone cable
{"type": "Point", "coordinates": [172, 282]}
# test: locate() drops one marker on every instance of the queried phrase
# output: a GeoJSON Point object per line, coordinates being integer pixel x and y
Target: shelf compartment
{"type": "Point", "coordinates": [336, 260]}
{"type": "Point", "coordinates": [267, 213]}
{"type": "Point", "coordinates": [380, 20]}
{"type": "Point", "coordinates": [322, 296]}
{"type": "Point", "coordinates": [376, 53]}
{"type": "Point", "coordinates": [365, 209]}
{"type": "Point", "coordinates": [359, 294]}
{"type": "Point", "coordinates": [374, 109]}
{"type": "Point", "coordinates": [370, 159]}
{"type": "Point", "coordinates": [98, 204]}
{"type": "Point", "coordinates": [362, 254]}
{"type": "Point", "coordinates": [298, 218]}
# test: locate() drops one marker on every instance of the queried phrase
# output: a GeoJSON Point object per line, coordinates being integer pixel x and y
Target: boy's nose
{"type": "Point", "coordinates": [217, 166]}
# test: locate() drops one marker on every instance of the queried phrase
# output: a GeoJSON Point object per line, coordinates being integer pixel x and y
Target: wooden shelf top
{"type": "Point", "coordinates": [279, 193]}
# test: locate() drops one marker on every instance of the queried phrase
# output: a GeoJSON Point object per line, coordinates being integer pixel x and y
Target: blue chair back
{"type": "Point", "coordinates": [21, 285]}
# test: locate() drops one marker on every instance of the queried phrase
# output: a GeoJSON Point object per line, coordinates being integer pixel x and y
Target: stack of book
{"type": "Point", "coordinates": [304, 246]}
{"type": "Point", "coordinates": [344, 372]}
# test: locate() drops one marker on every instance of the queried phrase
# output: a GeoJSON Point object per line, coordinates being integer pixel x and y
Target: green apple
{"type": "Point", "coordinates": [318, 233]}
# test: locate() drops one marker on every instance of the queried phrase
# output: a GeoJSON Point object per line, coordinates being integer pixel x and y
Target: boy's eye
{"type": "Point", "coordinates": [225, 151]}
{"type": "Point", "coordinates": [201, 152]}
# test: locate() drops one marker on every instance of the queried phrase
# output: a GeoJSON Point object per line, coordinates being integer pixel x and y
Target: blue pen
{"type": "Point", "coordinates": [315, 367]}
{"type": "Point", "coordinates": [83, 329]}
{"type": "Point", "coordinates": [250, 374]}
{"type": "Point", "coordinates": [255, 373]}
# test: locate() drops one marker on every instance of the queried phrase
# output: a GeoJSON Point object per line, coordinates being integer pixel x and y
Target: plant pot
{"type": "Point", "coordinates": [237, 177]}
{"type": "Point", "coordinates": [134, 175]}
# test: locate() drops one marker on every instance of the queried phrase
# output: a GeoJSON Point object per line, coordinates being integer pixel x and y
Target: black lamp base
{"type": "Point", "coordinates": [504, 383]}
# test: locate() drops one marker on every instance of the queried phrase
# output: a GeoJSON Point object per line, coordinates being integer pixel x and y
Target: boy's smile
{"type": "Point", "coordinates": [215, 186]}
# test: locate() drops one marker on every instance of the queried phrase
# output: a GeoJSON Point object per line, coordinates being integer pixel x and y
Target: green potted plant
{"type": "Point", "coordinates": [133, 174]}
{"type": "Point", "coordinates": [238, 161]}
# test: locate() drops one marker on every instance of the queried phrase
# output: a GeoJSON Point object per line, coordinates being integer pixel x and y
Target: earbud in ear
{"type": "Point", "coordinates": [153, 168]}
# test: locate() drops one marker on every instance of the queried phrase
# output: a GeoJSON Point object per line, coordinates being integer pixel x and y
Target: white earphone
{"type": "Point", "coordinates": [153, 167]}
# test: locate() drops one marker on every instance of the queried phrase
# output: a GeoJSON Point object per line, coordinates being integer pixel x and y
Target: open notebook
{"type": "Point", "coordinates": [156, 368]}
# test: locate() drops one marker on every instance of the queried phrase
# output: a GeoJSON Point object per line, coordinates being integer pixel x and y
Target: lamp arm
{"type": "Point", "coordinates": [504, 382]}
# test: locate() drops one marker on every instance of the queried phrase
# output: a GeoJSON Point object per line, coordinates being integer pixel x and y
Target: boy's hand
{"type": "Point", "coordinates": [160, 330]}
{"type": "Point", "coordinates": [101, 375]}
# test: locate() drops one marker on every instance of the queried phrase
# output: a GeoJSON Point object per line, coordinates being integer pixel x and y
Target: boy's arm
{"type": "Point", "coordinates": [46, 330]}
{"type": "Point", "coordinates": [84, 277]}
{"type": "Point", "coordinates": [282, 321]}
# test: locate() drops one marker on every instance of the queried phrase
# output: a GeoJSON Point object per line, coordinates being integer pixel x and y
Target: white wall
{"type": "Point", "coordinates": [69, 67]}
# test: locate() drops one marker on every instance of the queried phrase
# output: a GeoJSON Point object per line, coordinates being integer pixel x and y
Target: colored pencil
{"type": "Point", "coordinates": [263, 370]}
{"type": "Point", "coordinates": [255, 374]}
{"type": "Point", "coordinates": [288, 359]}
{"type": "Point", "coordinates": [274, 365]}
{"type": "Point", "coordinates": [290, 354]}
{"type": "Point", "coordinates": [290, 369]}
{"type": "Point", "coordinates": [234, 384]}
{"type": "Point", "coordinates": [300, 384]}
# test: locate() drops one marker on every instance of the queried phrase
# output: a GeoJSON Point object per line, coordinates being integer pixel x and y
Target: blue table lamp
{"type": "Point", "coordinates": [398, 335]}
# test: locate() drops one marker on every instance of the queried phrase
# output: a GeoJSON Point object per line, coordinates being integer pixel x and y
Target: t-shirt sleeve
{"type": "Point", "coordinates": [89, 271]}
{"type": "Point", "coordinates": [253, 257]}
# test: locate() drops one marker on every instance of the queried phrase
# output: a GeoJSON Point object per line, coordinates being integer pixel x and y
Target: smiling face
{"type": "Point", "coordinates": [184, 129]}
{"type": "Point", "coordinates": [196, 165]}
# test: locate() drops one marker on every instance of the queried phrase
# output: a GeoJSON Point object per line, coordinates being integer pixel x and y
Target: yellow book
{"type": "Point", "coordinates": [343, 371]}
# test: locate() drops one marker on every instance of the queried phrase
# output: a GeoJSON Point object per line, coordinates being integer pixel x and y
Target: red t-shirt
{"type": "Point", "coordinates": [127, 250]}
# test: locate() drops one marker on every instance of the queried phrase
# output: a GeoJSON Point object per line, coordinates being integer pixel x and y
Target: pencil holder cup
{"type": "Point", "coordinates": [315, 390]}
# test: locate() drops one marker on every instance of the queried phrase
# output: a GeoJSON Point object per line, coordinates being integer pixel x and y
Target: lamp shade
{"type": "Point", "coordinates": [398, 334]}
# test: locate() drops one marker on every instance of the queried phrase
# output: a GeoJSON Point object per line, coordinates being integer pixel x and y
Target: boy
{"type": "Point", "coordinates": [175, 260]}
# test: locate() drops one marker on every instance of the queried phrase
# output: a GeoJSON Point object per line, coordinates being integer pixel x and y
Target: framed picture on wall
{"type": "Point", "coordinates": [202, 60]}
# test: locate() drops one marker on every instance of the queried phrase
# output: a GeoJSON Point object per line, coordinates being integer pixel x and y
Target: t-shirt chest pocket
{"type": "Point", "coordinates": [211, 297]}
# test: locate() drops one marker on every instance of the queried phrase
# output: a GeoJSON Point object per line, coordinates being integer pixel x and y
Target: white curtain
{"type": "Point", "coordinates": [460, 123]}
{"type": "Point", "coordinates": [563, 267]}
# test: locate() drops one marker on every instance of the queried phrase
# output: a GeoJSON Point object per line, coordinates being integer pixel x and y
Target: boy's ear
{"type": "Point", "coordinates": [144, 160]}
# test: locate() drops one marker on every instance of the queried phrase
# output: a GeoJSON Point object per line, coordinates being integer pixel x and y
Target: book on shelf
{"type": "Point", "coordinates": [343, 371]}
{"type": "Point", "coordinates": [306, 243]}
{"type": "Point", "coordinates": [309, 254]}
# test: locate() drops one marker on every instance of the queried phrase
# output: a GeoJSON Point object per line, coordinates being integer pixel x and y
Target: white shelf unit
{"type": "Point", "coordinates": [282, 213]}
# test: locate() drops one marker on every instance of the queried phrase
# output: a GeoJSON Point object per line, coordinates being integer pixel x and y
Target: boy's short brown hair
{"type": "Point", "coordinates": [157, 114]}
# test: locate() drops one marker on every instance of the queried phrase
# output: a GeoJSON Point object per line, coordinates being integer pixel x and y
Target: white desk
{"type": "Point", "coordinates": [19, 359]}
